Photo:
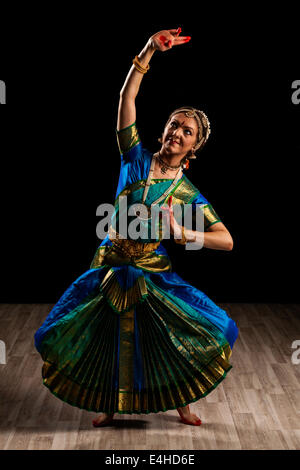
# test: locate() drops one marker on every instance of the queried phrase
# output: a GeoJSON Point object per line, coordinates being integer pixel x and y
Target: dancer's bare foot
{"type": "Point", "coordinates": [103, 419]}
{"type": "Point", "coordinates": [187, 417]}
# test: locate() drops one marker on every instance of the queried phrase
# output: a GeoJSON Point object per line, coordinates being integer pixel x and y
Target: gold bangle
{"type": "Point", "coordinates": [136, 59]}
{"type": "Point", "coordinates": [138, 69]}
{"type": "Point", "coordinates": [139, 66]}
{"type": "Point", "coordinates": [182, 240]}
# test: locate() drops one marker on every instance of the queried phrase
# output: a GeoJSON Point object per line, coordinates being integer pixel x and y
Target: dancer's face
{"type": "Point", "coordinates": [180, 135]}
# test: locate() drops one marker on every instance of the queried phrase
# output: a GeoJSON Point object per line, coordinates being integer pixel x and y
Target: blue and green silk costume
{"type": "Point", "coordinates": [129, 335]}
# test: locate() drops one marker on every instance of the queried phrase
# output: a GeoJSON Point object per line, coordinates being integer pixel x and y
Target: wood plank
{"type": "Point", "coordinates": [257, 406]}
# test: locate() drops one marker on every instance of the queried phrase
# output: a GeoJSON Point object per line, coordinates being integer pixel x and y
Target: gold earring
{"type": "Point", "coordinates": [192, 155]}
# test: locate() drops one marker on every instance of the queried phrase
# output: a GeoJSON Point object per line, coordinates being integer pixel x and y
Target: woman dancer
{"type": "Point", "coordinates": [130, 335]}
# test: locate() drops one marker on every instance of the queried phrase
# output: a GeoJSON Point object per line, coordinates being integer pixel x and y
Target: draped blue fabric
{"type": "Point", "coordinates": [135, 165]}
{"type": "Point", "coordinates": [173, 284]}
{"type": "Point", "coordinates": [84, 286]}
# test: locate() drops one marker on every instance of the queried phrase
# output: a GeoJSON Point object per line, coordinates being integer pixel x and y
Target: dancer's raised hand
{"type": "Point", "coordinates": [167, 38]}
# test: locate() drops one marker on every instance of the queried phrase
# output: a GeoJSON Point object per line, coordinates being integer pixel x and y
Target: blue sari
{"type": "Point", "coordinates": [130, 335]}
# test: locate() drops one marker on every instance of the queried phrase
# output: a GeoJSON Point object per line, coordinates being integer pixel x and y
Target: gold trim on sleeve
{"type": "Point", "coordinates": [210, 216]}
{"type": "Point", "coordinates": [127, 138]}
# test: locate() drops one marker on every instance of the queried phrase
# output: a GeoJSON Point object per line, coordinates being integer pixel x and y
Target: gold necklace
{"type": "Point", "coordinates": [165, 166]}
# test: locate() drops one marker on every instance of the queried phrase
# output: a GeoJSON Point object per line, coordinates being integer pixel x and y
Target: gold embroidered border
{"type": "Point", "coordinates": [210, 216]}
{"type": "Point", "coordinates": [127, 138]}
{"type": "Point", "coordinates": [126, 361]}
{"type": "Point", "coordinates": [224, 350]}
{"type": "Point", "coordinates": [186, 191]}
{"type": "Point", "coordinates": [119, 299]}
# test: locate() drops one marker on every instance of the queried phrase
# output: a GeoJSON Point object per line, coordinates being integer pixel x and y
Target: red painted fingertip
{"type": "Point", "coordinates": [179, 30]}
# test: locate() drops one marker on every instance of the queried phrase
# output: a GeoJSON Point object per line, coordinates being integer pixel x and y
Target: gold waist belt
{"type": "Point", "coordinates": [131, 248]}
{"type": "Point", "coordinates": [123, 251]}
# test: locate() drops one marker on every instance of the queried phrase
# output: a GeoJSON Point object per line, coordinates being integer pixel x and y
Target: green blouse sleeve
{"type": "Point", "coordinates": [127, 138]}
{"type": "Point", "coordinates": [210, 216]}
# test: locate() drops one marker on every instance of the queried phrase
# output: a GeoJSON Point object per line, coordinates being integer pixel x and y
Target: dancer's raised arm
{"type": "Point", "coordinates": [162, 41]}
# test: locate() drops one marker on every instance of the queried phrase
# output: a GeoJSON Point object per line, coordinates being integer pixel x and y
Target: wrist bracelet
{"type": "Point", "coordinates": [182, 240]}
{"type": "Point", "coordinates": [139, 66]}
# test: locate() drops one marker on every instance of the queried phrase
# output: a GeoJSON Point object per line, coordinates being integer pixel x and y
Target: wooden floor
{"type": "Point", "coordinates": [257, 406]}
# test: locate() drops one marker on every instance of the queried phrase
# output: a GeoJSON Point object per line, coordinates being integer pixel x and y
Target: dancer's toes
{"type": "Point", "coordinates": [193, 419]}
{"type": "Point", "coordinates": [102, 420]}
{"type": "Point", "coordinates": [187, 417]}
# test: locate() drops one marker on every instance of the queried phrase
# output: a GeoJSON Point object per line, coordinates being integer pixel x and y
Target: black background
{"type": "Point", "coordinates": [60, 161]}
